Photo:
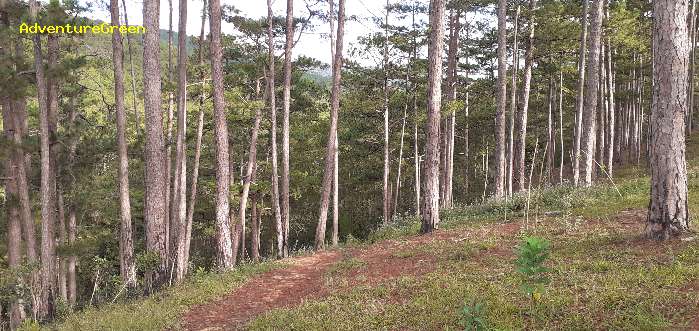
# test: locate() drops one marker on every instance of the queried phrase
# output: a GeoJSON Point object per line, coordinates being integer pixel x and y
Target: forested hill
{"type": "Point", "coordinates": [550, 136]}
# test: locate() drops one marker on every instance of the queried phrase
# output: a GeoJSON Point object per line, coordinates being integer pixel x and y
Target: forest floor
{"type": "Point", "coordinates": [603, 274]}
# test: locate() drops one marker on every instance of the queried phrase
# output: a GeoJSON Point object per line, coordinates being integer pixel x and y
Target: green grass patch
{"type": "Point", "coordinates": [163, 310]}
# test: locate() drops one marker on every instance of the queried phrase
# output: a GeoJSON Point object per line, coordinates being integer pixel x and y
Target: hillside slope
{"type": "Point", "coordinates": [603, 274]}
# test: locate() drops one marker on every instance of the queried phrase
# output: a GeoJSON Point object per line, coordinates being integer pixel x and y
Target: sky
{"type": "Point", "coordinates": [312, 43]}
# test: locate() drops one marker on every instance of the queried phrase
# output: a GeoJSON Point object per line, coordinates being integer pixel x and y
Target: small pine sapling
{"type": "Point", "coordinates": [472, 317]}
{"type": "Point", "coordinates": [531, 255]}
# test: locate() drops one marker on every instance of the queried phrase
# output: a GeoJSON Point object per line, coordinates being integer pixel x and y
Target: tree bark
{"type": "Point", "coordinates": [592, 84]}
{"type": "Point", "coordinates": [560, 127]}
{"type": "Point", "coordinates": [430, 204]}
{"type": "Point", "coordinates": [224, 258]}
{"type": "Point", "coordinates": [668, 213]}
{"type": "Point", "coordinates": [283, 236]}
{"type": "Point", "coordinates": [579, 101]}
{"type": "Point", "coordinates": [178, 215]}
{"type": "Point", "coordinates": [14, 223]}
{"type": "Point", "coordinates": [520, 140]}
{"type": "Point", "coordinates": [197, 151]}
{"type": "Point", "coordinates": [137, 121]}
{"type": "Point", "coordinates": [126, 255]}
{"type": "Point", "coordinates": [276, 209]}
{"type": "Point", "coordinates": [255, 220]}
{"type": "Point", "coordinates": [252, 165]}
{"type": "Point", "coordinates": [155, 206]}
{"type": "Point", "coordinates": [452, 82]}
{"type": "Point", "coordinates": [500, 121]}
{"type": "Point", "coordinates": [170, 183]}
{"type": "Point", "coordinates": [612, 111]}
{"type": "Point", "coordinates": [386, 155]}
{"type": "Point", "coordinates": [692, 42]}
{"type": "Point", "coordinates": [513, 103]}
{"type": "Point", "coordinates": [332, 134]}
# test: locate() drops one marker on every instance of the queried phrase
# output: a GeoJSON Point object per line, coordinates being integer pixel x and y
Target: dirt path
{"type": "Point", "coordinates": [274, 289]}
{"type": "Point", "coordinates": [304, 280]}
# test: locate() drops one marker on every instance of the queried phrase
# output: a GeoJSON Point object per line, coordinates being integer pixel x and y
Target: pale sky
{"type": "Point", "coordinates": [312, 43]}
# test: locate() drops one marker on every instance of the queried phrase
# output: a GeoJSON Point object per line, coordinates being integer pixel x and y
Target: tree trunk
{"type": "Point", "coordinates": [668, 213]}
{"type": "Point", "coordinates": [336, 165]}
{"type": "Point", "coordinates": [430, 207]}
{"type": "Point", "coordinates": [283, 235]}
{"type": "Point", "coordinates": [416, 141]}
{"type": "Point", "coordinates": [126, 255]}
{"type": "Point", "coordinates": [62, 271]}
{"type": "Point", "coordinates": [386, 155]}
{"type": "Point", "coordinates": [336, 194]}
{"type": "Point", "coordinates": [47, 120]}
{"type": "Point", "coordinates": [137, 121]}
{"type": "Point", "coordinates": [170, 185]}
{"type": "Point", "coordinates": [560, 127]}
{"type": "Point", "coordinates": [14, 223]}
{"type": "Point", "coordinates": [592, 84]}
{"type": "Point", "coordinates": [332, 135]}
{"type": "Point", "coordinates": [513, 103]}
{"type": "Point", "coordinates": [224, 258]}
{"type": "Point", "coordinates": [178, 216]}
{"type": "Point", "coordinates": [611, 125]}
{"type": "Point", "coordinates": [692, 42]}
{"type": "Point", "coordinates": [255, 220]}
{"type": "Point", "coordinates": [452, 81]}
{"type": "Point", "coordinates": [276, 209]}
{"type": "Point", "coordinates": [155, 206]}
{"type": "Point", "coordinates": [520, 142]}
{"type": "Point", "coordinates": [400, 162]}
{"type": "Point", "coordinates": [579, 101]}
{"type": "Point", "coordinates": [500, 122]}
{"type": "Point", "coordinates": [549, 133]}
{"type": "Point", "coordinates": [252, 163]}
{"type": "Point", "coordinates": [184, 262]}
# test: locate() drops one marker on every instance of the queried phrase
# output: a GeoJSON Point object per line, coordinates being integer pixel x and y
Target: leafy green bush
{"type": "Point", "coordinates": [531, 255]}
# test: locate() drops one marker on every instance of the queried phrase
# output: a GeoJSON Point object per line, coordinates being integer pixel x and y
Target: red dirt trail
{"type": "Point", "coordinates": [304, 280]}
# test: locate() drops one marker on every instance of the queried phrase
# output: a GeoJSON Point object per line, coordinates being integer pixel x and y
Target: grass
{"type": "Point", "coordinates": [602, 276]}
{"type": "Point", "coordinates": [164, 310]}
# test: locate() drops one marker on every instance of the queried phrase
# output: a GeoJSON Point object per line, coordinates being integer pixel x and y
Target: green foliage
{"type": "Point", "coordinates": [531, 256]}
{"type": "Point", "coordinates": [472, 317]}
{"type": "Point", "coordinates": [147, 261]}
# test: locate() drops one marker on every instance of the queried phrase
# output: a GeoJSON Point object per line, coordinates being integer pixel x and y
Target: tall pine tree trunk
{"type": "Point", "coordinates": [579, 101]}
{"type": "Point", "coordinates": [184, 262]}
{"type": "Point", "coordinates": [430, 204]}
{"type": "Point", "coordinates": [513, 104]}
{"type": "Point", "coordinates": [452, 80]}
{"type": "Point", "coordinates": [126, 256]}
{"type": "Point", "coordinates": [592, 84]}
{"type": "Point", "coordinates": [155, 206]}
{"type": "Point", "coordinates": [283, 235]}
{"type": "Point", "coordinates": [276, 209]}
{"type": "Point", "coordinates": [224, 258]}
{"type": "Point", "coordinates": [520, 140]}
{"type": "Point", "coordinates": [500, 118]}
{"type": "Point", "coordinates": [386, 155]}
{"type": "Point", "coordinates": [178, 216]}
{"type": "Point", "coordinates": [332, 134]}
{"type": "Point", "coordinates": [668, 213]}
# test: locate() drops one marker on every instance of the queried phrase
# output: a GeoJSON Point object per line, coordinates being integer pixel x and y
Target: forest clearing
{"type": "Point", "coordinates": [348, 165]}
